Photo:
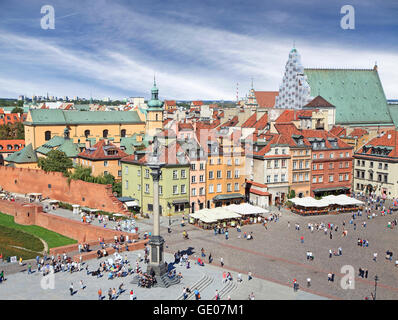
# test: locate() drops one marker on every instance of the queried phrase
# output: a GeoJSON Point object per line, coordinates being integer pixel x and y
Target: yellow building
{"type": "Point", "coordinates": [225, 173]}
{"type": "Point", "coordinates": [42, 124]}
{"type": "Point", "coordinates": [103, 158]}
{"type": "Point", "coordinates": [25, 158]}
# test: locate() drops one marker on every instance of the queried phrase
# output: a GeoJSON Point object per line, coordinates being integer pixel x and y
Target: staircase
{"type": "Point", "coordinates": [204, 282]}
{"type": "Point", "coordinates": [228, 288]}
{"type": "Point", "coordinates": [119, 207]}
{"type": "Point", "coordinates": [161, 281]}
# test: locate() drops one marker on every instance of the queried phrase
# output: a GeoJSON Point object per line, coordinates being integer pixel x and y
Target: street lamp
{"type": "Point", "coordinates": [376, 279]}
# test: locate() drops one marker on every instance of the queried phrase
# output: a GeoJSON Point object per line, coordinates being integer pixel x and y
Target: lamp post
{"type": "Point", "coordinates": [376, 279]}
{"type": "Point", "coordinates": [156, 263]}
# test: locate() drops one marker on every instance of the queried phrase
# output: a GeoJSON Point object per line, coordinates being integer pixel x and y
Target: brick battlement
{"type": "Point", "coordinates": [55, 186]}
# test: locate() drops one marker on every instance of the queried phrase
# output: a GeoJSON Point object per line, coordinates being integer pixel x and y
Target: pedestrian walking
{"type": "Point", "coordinates": [340, 251]}
{"type": "Point", "coordinates": [222, 262]}
{"type": "Point", "coordinates": [330, 253]}
{"type": "Point", "coordinates": [132, 295]}
{"type": "Point", "coordinates": [302, 239]}
{"type": "Point", "coordinates": [249, 276]}
{"type": "Point", "coordinates": [82, 286]}
{"type": "Point", "coordinates": [71, 288]}
{"type": "Point", "coordinates": [375, 257]}
{"type": "Point", "coordinates": [99, 294]}
{"type": "Point", "coordinates": [308, 282]}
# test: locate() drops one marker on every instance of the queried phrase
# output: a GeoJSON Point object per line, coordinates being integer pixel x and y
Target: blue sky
{"type": "Point", "coordinates": [197, 49]}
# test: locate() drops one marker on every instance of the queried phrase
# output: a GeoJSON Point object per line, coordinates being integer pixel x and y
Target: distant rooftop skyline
{"type": "Point", "coordinates": [198, 50]}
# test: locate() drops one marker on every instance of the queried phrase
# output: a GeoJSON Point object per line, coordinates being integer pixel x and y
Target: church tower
{"type": "Point", "coordinates": [294, 92]}
{"type": "Point", "coordinates": [154, 116]}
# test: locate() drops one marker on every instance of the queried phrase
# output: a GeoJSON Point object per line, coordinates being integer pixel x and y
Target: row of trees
{"type": "Point", "coordinates": [57, 161]}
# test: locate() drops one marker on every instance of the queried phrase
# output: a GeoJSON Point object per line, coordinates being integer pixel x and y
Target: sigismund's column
{"type": "Point", "coordinates": [156, 261]}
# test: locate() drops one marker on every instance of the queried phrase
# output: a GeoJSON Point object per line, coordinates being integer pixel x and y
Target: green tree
{"type": "Point", "coordinates": [292, 194]}
{"type": "Point", "coordinates": [4, 132]}
{"type": "Point", "coordinates": [56, 161]}
{"type": "Point", "coordinates": [17, 110]}
{"type": "Point", "coordinates": [117, 187]}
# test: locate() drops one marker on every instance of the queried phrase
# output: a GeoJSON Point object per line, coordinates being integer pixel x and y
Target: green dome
{"type": "Point", "coordinates": [155, 102]}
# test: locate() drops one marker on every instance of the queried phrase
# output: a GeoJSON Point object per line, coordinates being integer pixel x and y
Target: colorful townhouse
{"type": "Point", "coordinates": [103, 158]}
{"type": "Point", "coordinates": [376, 166]}
{"type": "Point", "coordinates": [174, 184]}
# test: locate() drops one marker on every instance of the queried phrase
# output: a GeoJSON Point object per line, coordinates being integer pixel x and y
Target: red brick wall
{"type": "Point", "coordinates": [87, 194]}
{"type": "Point", "coordinates": [82, 232]}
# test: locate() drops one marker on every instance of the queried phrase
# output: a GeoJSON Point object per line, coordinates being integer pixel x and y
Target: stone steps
{"type": "Point", "coordinates": [200, 285]}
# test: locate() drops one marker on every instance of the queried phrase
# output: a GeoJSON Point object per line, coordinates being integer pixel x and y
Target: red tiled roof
{"type": "Point", "coordinates": [318, 102]}
{"type": "Point", "coordinates": [170, 102]}
{"type": "Point", "coordinates": [310, 133]}
{"type": "Point", "coordinates": [11, 145]}
{"type": "Point", "coordinates": [389, 139]}
{"type": "Point", "coordinates": [97, 152]}
{"type": "Point", "coordinates": [266, 99]}
{"type": "Point", "coordinates": [358, 132]}
{"type": "Point", "coordinates": [197, 103]}
{"type": "Point", "coordinates": [185, 126]}
{"type": "Point", "coordinates": [293, 115]}
{"type": "Point", "coordinates": [258, 192]}
{"type": "Point", "coordinates": [257, 184]}
{"type": "Point", "coordinates": [249, 123]}
{"type": "Point", "coordinates": [231, 123]}
{"type": "Point", "coordinates": [262, 122]}
{"type": "Point", "coordinates": [338, 131]}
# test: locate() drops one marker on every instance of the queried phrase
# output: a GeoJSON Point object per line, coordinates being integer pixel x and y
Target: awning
{"type": "Point", "coordinates": [125, 199]}
{"type": "Point", "coordinates": [309, 202]}
{"type": "Point", "coordinates": [180, 201]}
{"type": "Point", "coordinates": [131, 204]}
{"type": "Point", "coordinates": [331, 189]}
{"type": "Point", "coordinates": [246, 209]}
{"type": "Point", "coordinates": [228, 196]}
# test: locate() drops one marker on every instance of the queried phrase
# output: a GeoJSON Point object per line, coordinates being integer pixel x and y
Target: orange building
{"type": "Point", "coordinates": [103, 158]}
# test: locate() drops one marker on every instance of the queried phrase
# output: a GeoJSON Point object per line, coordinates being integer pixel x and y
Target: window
{"type": "Point", "coordinates": [229, 187]}
{"type": "Point", "coordinates": [321, 166]}
{"type": "Point", "coordinates": [347, 177]}
{"type": "Point", "coordinates": [331, 178]}
{"type": "Point", "coordinates": [341, 154]}
{"type": "Point", "coordinates": [300, 177]}
{"type": "Point", "coordinates": [236, 188]}
{"type": "Point", "coordinates": [385, 166]}
{"type": "Point", "coordinates": [202, 166]}
{"type": "Point", "coordinates": [105, 133]}
{"type": "Point", "coordinates": [160, 189]}
{"type": "Point", "coordinates": [295, 177]}
{"type": "Point", "coordinates": [183, 189]}
{"type": "Point", "coordinates": [347, 154]}
{"type": "Point", "coordinates": [283, 151]}
{"type": "Point", "coordinates": [331, 155]}
{"type": "Point", "coordinates": [276, 164]}
{"type": "Point", "coordinates": [307, 164]}
{"type": "Point", "coordinates": [123, 133]}
{"type": "Point", "coordinates": [370, 164]}
{"type": "Point", "coordinates": [175, 174]}
{"type": "Point", "coordinates": [193, 166]}
{"type": "Point", "coordinates": [276, 151]}
{"type": "Point", "coordinates": [307, 177]}
{"type": "Point", "coordinates": [119, 173]}
{"type": "Point", "coordinates": [105, 163]}
{"type": "Point", "coordinates": [294, 164]}
{"type": "Point", "coordinates": [301, 164]}
{"type": "Point", "coordinates": [380, 165]}
{"type": "Point", "coordinates": [283, 177]}
{"type": "Point", "coordinates": [218, 174]}
{"type": "Point", "coordinates": [139, 187]}
{"type": "Point", "coordinates": [268, 179]}
{"type": "Point", "coordinates": [359, 163]}
{"type": "Point", "coordinates": [236, 161]}
{"type": "Point", "coordinates": [219, 160]}
{"type": "Point", "coordinates": [127, 184]}
{"type": "Point", "coordinates": [276, 178]}
{"type": "Point", "coordinates": [321, 155]}
{"type": "Point", "coordinates": [229, 162]}
{"type": "Point", "coordinates": [211, 188]}
{"type": "Point", "coordinates": [183, 174]}
{"type": "Point", "coordinates": [138, 172]}
{"type": "Point", "coordinates": [147, 173]}
{"type": "Point", "coordinates": [283, 162]}
{"type": "Point", "coordinates": [330, 165]}
{"type": "Point", "coordinates": [219, 188]}
{"type": "Point", "coordinates": [346, 164]}
{"type": "Point", "coordinates": [370, 175]}
{"type": "Point", "coordinates": [314, 156]}
{"type": "Point", "coordinates": [146, 188]}
{"type": "Point", "coordinates": [236, 173]}
{"type": "Point", "coordinates": [201, 178]}
{"type": "Point", "coordinates": [47, 135]}
{"type": "Point", "coordinates": [340, 177]}
{"type": "Point", "coordinates": [150, 207]}
{"type": "Point", "coordinates": [320, 179]}
{"type": "Point", "coordinates": [175, 189]}
{"type": "Point", "coordinates": [340, 165]}
{"type": "Point", "coordinates": [193, 179]}
{"type": "Point", "coordinates": [193, 192]}
{"type": "Point", "coordinates": [385, 178]}
{"type": "Point", "coordinates": [202, 191]}
{"type": "Point", "coordinates": [86, 133]}
{"type": "Point", "coordinates": [229, 175]}
{"type": "Point", "coordinates": [314, 166]}
{"type": "Point", "coordinates": [269, 164]}
{"type": "Point", "coordinates": [313, 179]}
{"type": "Point", "coordinates": [211, 175]}
{"type": "Point", "coordinates": [379, 177]}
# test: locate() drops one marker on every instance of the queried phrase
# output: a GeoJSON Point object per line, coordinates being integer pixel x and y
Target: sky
{"type": "Point", "coordinates": [196, 49]}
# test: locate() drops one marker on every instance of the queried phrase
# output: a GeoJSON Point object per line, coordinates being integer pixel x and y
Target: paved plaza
{"type": "Point", "coordinates": [275, 257]}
